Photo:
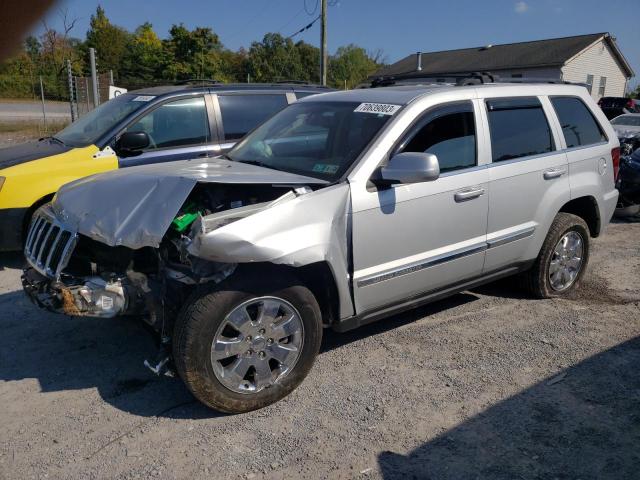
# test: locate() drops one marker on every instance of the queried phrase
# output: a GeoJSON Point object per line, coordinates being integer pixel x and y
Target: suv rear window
{"type": "Point", "coordinates": [518, 127]}
{"type": "Point", "coordinates": [578, 125]}
{"type": "Point", "coordinates": [242, 113]}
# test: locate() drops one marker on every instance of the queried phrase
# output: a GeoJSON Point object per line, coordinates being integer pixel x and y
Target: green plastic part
{"type": "Point", "coordinates": [182, 222]}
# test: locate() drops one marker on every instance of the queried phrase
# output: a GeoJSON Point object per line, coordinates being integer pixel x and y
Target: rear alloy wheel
{"type": "Point", "coordinates": [247, 342]}
{"type": "Point", "coordinates": [562, 259]}
{"type": "Point", "coordinates": [566, 261]}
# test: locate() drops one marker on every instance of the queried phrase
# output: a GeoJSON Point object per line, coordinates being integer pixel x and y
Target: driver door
{"type": "Point", "coordinates": [410, 240]}
{"type": "Point", "coordinates": [178, 129]}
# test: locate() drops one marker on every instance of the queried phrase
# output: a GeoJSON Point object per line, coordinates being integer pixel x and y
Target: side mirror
{"type": "Point", "coordinates": [409, 167]}
{"type": "Point", "coordinates": [131, 143]}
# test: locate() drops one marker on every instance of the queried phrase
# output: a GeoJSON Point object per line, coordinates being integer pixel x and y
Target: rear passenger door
{"type": "Point", "coordinates": [528, 178]}
{"type": "Point", "coordinates": [239, 113]}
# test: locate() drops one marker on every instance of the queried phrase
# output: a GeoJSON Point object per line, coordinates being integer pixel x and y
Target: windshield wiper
{"type": "Point", "coordinates": [55, 139]}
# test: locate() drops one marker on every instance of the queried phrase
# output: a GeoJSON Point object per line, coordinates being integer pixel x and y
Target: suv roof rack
{"type": "Point", "coordinates": [462, 79]}
{"type": "Point", "coordinates": [198, 81]}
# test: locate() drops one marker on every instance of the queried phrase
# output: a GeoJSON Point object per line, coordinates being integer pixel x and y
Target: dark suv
{"type": "Point", "coordinates": [614, 106]}
{"type": "Point", "coordinates": [187, 121]}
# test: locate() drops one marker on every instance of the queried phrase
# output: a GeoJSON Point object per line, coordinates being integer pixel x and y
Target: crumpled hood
{"type": "Point", "coordinates": [29, 151]}
{"type": "Point", "coordinates": [134, 206]}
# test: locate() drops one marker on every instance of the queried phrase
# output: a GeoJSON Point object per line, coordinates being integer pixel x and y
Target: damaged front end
{"type": "Point", "coordinates": [139, 245]}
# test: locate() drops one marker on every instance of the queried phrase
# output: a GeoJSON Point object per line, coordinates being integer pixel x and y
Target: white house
{"type": "Point", "coordinates": [593, 59]}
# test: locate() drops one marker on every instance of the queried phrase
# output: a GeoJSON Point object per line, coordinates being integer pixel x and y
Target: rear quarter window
{"type": "Point", "coordinates": [578, 123]}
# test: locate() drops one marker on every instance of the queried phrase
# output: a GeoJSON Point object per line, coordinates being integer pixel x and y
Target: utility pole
{"type": "Point", "coordinates": [44, 112]}
{"type": "Point", "coordinates": [323, 44]}
{"type": "Point", "coordinates": [94, 76]}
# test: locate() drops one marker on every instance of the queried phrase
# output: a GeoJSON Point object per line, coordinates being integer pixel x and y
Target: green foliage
{"type": "Point", "coordinates": [141, 58]}
{"type": "Point", "coordinates": [350, 65]}
{"type": "Point", "coordinates": [110, 41]}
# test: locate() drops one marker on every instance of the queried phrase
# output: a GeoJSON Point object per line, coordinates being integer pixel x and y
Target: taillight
{"type": "Point", "coordinates": [630, 104]}
{"type": "Point", "coordinates": [615, 159]}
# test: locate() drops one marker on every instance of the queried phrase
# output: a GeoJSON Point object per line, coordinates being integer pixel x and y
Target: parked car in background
{"type": "Point", "coordinates": [340, 210]}
{"type": "Point", "coordinates": [614, 106]}
{"type": "Point", "coordinates": [628, 184]}
{"type": "Point", "coordinates": [159, 124]}
{"type": "Point", "coordinates": [627, 128]}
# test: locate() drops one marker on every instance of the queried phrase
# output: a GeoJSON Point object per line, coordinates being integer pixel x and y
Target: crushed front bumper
{"type": "Point", "coordinates": [91, 297]}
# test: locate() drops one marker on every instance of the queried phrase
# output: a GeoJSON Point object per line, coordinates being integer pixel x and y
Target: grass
{"type": "Point", "coordinates": [22, 131]}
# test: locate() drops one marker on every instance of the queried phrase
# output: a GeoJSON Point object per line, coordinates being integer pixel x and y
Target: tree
{"type": "Point", "coordinates": [274, 59]}
{"type": "Point", "coordinates": [350, 66]}
{"type": "Point", "coordinates": [193, 54]}
{"type": "Point", "coordinates": [145, 57]}
{"type": "Point", "coordinates": [110, 41]}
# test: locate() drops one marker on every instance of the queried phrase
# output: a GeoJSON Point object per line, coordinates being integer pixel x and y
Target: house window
{"type": "Point", "coordinates": [590, 83]}
{"type": "Point", "coordinates": [603, 85]}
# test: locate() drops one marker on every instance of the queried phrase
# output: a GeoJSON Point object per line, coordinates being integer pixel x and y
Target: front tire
{"type": "Point", "coordinates": [562, 260]}
{"type": "Point", "coordinates": [247, 343]}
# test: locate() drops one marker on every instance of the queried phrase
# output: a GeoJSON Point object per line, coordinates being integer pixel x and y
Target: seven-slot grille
{"type": "Point", "coordinates": [48, 245]}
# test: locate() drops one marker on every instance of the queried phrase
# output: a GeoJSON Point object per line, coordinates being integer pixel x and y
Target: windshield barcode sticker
{"type": "Point", "coordinates": [381, 108]}
{"type": "Point", "coordinates": [143, 98]}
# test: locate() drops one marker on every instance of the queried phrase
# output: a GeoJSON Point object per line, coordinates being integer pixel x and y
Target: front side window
{"type": "Point", "coordinates": [243, 113]}
{"type": "Point", "coordinates": [317, 139]}
{"type": "Point", "coordinates": [518, 127]}
{"type": "Point", "coordinates": [578, 125]}
{"type": "Point", "coordinates": [90, 127]}
{"type": "Point", "coordinates": [449, 133]}
{"type": "Point", "coordinates": [177, 123]}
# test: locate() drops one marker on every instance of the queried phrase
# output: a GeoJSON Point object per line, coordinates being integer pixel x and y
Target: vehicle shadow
{"type": "Point", "coordinates": [582, 423]}
{"type": "Point", "coordinates": [71, 353]}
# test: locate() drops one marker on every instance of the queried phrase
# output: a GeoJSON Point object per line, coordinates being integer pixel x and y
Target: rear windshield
{"type": "Point", "coordinates": [317, 139]}
{"type": "Point", "coordinates": [90, 127]}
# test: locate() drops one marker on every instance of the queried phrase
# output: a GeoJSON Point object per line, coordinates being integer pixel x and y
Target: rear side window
{"type": "Point", "coordinates": [518, 127]}
{"type": "Point", "coordinates": [447, 132]}
{"type": "Point", "coordinates": [300, 95]}
{"type": "Point", "coordinates": [242, 113]}
{"type": "Point", "coordinates": [578, 125]}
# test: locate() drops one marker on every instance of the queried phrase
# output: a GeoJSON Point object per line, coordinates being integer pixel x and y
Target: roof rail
{"type": "Point", "coordinates": [198, 81]}
{"type": "Point", "coordinates": [461, 79]}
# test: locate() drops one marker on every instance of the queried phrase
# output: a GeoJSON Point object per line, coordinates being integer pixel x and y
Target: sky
{"type": "Point", "coordinates": [396, 27]}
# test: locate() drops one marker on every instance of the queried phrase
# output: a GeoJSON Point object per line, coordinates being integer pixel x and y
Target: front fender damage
{"type": "Point", "coordinates": [294, 230]}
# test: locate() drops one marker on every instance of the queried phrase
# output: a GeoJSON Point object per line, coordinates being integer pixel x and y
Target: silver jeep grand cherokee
{"type": "Point", "coordinates": [342, 209]}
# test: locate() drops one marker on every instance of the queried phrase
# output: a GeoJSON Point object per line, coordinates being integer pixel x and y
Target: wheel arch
{"type": "Point", "coordinates": [317, 277]}
{"type": "Point", "coordinates": [585, 207]}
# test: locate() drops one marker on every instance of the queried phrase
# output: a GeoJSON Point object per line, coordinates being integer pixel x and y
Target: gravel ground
{"type": "Point", "coordinates": [486, 384]}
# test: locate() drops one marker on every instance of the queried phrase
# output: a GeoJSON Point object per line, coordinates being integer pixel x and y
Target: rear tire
{"type": "Point", "coordinates": [228, 360]}
{"type": "Point", "coordinates": [562, 260]}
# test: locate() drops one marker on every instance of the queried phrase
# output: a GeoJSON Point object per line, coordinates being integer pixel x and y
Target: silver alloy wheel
{"type": "Point", "coordinates": [566, 261]}
{"type": "Point", "coordinates": [257, 344]}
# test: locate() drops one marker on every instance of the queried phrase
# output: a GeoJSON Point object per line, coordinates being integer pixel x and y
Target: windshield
{"type": "Point", "coordinates": [317, 139]}
{"type": "Point", "coordinates": [90, 127]}
{"type": "Point", "coordinates": [630, 120]}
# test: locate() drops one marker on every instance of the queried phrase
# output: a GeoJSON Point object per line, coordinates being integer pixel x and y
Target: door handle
{"type": "Point", "coordinates": [470, 194]}
{"type": "Point", "coordinates": [554, 173]}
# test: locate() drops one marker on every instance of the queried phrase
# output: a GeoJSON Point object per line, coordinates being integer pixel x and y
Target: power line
{"type": "Point", "coordinates": [307, 27]}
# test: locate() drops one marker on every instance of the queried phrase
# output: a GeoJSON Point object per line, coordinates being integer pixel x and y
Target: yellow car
{"type": "Point", "coordinates": [158, 124]}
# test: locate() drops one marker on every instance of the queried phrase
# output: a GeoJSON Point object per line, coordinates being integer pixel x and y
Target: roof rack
{"type": "Point", "coordinates": [462, 79]}
{"type": "Point", "coordinates": [198, 81]}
